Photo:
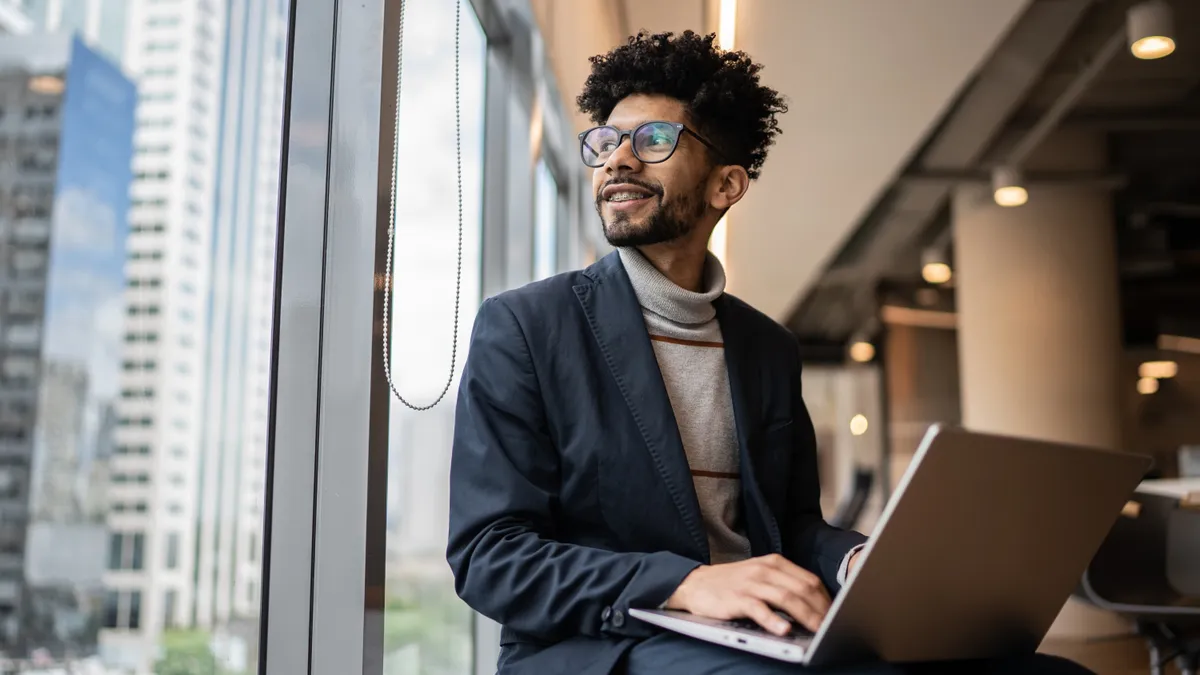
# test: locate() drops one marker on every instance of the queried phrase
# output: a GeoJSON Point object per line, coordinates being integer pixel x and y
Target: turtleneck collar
{"type": "Point", "coordinates": [658, 294]}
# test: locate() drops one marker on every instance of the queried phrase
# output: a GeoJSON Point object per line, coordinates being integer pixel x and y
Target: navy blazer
{"type": "Point", "coordinates": [571, 499]}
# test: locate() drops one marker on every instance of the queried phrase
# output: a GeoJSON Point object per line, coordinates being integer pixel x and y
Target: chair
{"type": "Point", "coordinates": [851, 509]}
{"type": "Point", "coordinates": [1148, 571]}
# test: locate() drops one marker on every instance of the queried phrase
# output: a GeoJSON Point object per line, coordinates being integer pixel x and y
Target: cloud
{"type": "Point", "coordinates": [82, 222]}
{"type": "Point", "coordinates": [88, 331]}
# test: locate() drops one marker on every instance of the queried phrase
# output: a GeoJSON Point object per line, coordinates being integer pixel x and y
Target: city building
{"type": "Point", "coordinates": [201, 270]}
{"type": "Point", "coordinates": [233, 446]}
{"type": "Point", "coordinates": [66, 133]}
{"type": "Point", "coordinates": [176, 51]}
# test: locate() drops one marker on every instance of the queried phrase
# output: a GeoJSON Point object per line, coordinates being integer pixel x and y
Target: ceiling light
{"type": "Point", "coordinates": [862, 351]}
{"type": "Point", "coordinates": [1151, 27]}
{"type": "Point", "coordinates": [935, 268]}
{"type": "Point", "coordinates": [1159, 370]}
{"type": "Point", "coordinates": [1006, 187]}
{"type": "Point", "coordinates": [858, 425]}
{"type": "Point", "coordinates": [46, 84]}
{"type": "Point", "coordinates": [1147, 385]}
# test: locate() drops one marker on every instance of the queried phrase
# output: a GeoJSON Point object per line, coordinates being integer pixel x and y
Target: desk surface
{"type": "Point", "coordinates": [1177, 488]}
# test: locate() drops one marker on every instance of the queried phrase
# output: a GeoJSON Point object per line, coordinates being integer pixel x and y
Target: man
{"type": "Point", "coordinates": [630, 435]}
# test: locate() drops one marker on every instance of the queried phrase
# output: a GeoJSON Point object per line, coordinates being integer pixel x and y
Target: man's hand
{"type": "Point", "coordinates": [751, 589]}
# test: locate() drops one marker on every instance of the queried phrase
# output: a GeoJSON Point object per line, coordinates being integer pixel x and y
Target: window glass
{"type": "Point", "coordinates": [545, 230]}
{"type": "Point", "coordinates": [427, 629]}
{"type": "Point", "coordinates": [113, 545]}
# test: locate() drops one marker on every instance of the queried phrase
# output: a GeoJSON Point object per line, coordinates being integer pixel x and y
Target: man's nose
{"type": "Point", "coordinates": [622, 158]}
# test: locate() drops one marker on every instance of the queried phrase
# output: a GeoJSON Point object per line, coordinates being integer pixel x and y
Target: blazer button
{"type": "Point", "coordinates": [606, 614]}
{"type": "Point", "coordinates": [618, 619]}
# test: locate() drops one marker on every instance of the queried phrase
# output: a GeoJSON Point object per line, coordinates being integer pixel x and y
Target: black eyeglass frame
{"type": "Point", "coordinates": [622, 134]}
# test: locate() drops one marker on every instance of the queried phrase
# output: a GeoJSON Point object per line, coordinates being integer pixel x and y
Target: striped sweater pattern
{"type": "Point", "coordinates": [687, 343]}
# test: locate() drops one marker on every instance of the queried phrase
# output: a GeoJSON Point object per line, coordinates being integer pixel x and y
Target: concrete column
{"type": "Point", "coordinates": [1038, 316]}
{"type": "Point", "coordinates": [921, 366]}
{"type": "Point", "coordinates": [1039, 334]}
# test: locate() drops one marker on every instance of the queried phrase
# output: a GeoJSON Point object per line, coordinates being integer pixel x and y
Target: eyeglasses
{"type": "Point", "coordinates": [652, 142]}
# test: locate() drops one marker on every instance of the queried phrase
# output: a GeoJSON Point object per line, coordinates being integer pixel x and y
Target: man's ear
{"type": "Point", "coordinates": [727, 186]}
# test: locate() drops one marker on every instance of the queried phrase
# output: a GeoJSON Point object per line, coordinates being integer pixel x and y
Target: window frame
{"type": "Point", "coordinates": [322, 548]}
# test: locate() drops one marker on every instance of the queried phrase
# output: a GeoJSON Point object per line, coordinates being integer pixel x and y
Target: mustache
{"type": "Point", "coordinates": [628, 180]}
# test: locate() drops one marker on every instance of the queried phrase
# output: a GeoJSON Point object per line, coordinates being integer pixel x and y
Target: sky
{"type": "Point", "coordinates": [84, 301]}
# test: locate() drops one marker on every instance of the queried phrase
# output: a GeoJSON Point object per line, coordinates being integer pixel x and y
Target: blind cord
{"type": "Point", "coordinates": [387, 281]}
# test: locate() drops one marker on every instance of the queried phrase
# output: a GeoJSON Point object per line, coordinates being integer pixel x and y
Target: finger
{"type": "Point", "coordinates": [798, 607]}
{"type": "Point", "coordinates": [760, 613]}
{"type": "Point", "coordinates": [810, 588]}
{"type": "Point", "coordinates": [782, 564]}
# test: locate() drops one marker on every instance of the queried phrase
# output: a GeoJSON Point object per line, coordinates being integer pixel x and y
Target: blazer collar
{"type": "Point", "coordinates": [615, 318]}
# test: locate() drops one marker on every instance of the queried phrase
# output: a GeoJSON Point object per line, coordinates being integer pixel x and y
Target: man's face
{"type": "Point", "coordinates": [644, 204]}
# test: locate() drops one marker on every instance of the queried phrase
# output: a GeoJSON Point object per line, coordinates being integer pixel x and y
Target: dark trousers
{"type": "Point", "coordinates": [671, 654]}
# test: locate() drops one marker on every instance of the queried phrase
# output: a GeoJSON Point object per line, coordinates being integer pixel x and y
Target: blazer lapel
{"type": "Point", "coordinates": [615, 317]}
{"type": "Point", "coordinates": [746, 392]}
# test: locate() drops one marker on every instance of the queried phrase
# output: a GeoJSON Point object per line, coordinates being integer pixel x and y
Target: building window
{"type": "Point", "coordinates": [135, 610]}
{"type": "Point", "coordinates": [112, 609]}
{"type": "Point", "coordinates": [172, 554]}
{"type": "Point", "coordinates": [169, 601]}
{"type": "Point", "coordinates": [126, 549]}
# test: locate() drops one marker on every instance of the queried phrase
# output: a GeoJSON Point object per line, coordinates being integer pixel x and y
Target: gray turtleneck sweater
{"type": "Point", "coordinates": [687, 342]}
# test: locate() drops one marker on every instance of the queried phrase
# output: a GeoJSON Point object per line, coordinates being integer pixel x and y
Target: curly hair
{"type": "Point", "coordinates": [720, 90]}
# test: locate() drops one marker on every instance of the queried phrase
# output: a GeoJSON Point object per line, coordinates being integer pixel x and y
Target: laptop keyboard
{"type": "Point", "coordinates": [748, 624]}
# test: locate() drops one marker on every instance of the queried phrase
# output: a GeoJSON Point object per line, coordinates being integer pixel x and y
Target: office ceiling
{"type": "Point", "coordinates": [1149, 113]}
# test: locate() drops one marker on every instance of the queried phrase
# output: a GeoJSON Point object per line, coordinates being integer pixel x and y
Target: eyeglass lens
{"type": "Point", "coordinates": [652, 142]}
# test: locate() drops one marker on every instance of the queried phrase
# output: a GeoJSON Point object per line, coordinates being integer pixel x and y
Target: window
{"type": "Point", "coordinates": [116, 551]}
{"type": "Point", "coordinates": [545, 229]}
{"type": "Point", "coordinates": [125, 550]}
{"type": "Point", "coordinates": [170, 598]}
{"type": "Point", "coordinates": [145, 172]}
{"type": "Point", "coordinates": [425, 278]}
{"type": "Point", "coordinates": [135, 610]}
{"type": "Point", "coordinates": [172, 553]}
{"type": "Point", "coordinates": [112, 609]}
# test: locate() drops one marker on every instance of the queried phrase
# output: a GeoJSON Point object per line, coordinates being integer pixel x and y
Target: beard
{"type": "Point", "coordinates": [670, 220]}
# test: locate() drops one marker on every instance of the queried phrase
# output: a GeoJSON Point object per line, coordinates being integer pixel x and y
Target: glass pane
{"type": "Point", "coordinates": [545, 231]}
{"type": "Point", "coordinates": [427, 629]}
{"type": "Point", "coordinates": [141, 186]}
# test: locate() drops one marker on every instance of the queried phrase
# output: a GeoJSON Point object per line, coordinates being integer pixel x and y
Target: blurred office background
{"type": "Point", "coordinates": [980, 212]}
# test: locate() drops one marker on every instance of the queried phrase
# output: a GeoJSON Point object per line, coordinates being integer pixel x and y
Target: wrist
{"type": "Point", "coordinates": [678, 599]}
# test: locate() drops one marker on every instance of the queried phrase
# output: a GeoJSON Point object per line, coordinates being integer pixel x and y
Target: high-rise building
{"type": "Point", "coordinates": [201, 275]}
{"type": "Point", "coordinates": [66, 129]}
{"type": "Point", "coordinates": [176, 51]}
{"type": "Point", "coordinates": [234, 437]}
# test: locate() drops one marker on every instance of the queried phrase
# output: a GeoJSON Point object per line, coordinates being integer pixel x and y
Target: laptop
{"type": "Point", "coordinates": [973, 557]}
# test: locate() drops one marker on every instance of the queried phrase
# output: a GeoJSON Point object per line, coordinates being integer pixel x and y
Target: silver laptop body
{"type": "Point", "coordinates": [973, 557]}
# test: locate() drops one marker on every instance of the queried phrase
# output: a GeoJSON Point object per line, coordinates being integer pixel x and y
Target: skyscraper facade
{"type": "Point", "coordinates": [176, 51]}
{"type": "Point", "coordinates": [239, 314]}
{"type": "Point", "coordinates": [65, 147]}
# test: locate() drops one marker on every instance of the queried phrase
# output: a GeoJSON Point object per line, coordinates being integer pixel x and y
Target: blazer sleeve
{"type": "Point", "coordinates": [808, 540]}
{"type": "Point", "coordinates": [504, 491]}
